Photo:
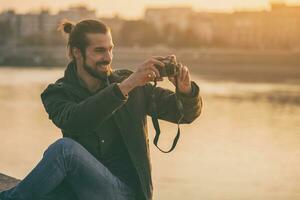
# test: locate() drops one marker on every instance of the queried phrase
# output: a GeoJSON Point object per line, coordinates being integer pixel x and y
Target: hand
{"type": "Point", "coordinates": [183, 79]}
{"type": "Point", "coordinates": [144, 73]}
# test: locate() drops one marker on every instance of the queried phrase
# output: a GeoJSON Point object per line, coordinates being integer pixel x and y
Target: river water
{"type": "Point", "coordinates": [245, 145]}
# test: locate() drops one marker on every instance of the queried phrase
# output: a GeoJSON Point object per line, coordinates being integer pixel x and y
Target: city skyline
{"type": "Point", "coordinates": [135, 9]}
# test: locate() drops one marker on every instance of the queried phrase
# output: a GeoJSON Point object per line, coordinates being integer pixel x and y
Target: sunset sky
{"type": "Point", "coordinates": [135, 8]}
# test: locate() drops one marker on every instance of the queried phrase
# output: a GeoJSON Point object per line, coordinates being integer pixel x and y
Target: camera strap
{"type": "Point", "coordinates": [155, 119]}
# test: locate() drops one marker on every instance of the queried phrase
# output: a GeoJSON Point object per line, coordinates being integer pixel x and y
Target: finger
{"type": "Point", "coordinates": [155, 70]}
{"type": "Point", "coordinates": [153, 75]}
{"type": "Point", "coordinates": [152, 68]}
{"type": "Point", "coordinates": [184, 73]}
{"type": "Point", "coordinates": [159, 79]}
{"type": "Point", "coordinates": [171, 78]}
{"type": "Point", "coordinates": [156, 62]}
{"type": "Point", "coordinates": [149, 75]}
{"type": "Point", "coordinates": [160, 58]}
{"type": "Point", "coordinates": [172, 57]}
{"type": "Point", "coordinates": [188, 77]}
{"type": "Point", "coordinates": [180, 72]}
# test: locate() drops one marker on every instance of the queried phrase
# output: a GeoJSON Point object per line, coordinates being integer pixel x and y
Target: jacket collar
{"type": "Point", "coordinates": [70, 75]}
{"type": "Point", "coordinates": [72, 79]}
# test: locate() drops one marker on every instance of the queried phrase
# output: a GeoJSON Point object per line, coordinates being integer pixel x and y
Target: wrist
{"type": "Point", "coordinates": [194, 91]}
{"type": "Point", "coordinates": [126, 86]}
{"type": "Point", "coordinates": [186, 91]}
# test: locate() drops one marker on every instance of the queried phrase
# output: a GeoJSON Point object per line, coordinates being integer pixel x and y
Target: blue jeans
{"type": "Point", "coordinates": [68, 171]}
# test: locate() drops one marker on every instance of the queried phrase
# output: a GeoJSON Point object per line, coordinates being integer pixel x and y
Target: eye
{"type": "Point", "coordinates": [100, 50]}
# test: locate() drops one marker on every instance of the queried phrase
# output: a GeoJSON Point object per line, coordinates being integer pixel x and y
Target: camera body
{"type": "Point", "coordinates": [170, 69]}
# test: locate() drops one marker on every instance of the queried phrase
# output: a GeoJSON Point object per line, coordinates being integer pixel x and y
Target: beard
{"type": "Point", "coordinates": [102, 75]}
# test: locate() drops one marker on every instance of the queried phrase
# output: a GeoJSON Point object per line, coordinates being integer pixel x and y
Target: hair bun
{"type": "Point", "coordinates": [68, 27]}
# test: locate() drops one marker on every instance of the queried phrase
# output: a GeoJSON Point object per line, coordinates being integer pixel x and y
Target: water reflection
{"type": "Point", "coordinates": [246, 144]}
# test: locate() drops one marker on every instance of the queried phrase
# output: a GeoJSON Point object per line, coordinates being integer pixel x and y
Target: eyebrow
{"type": "Point", "coordinates": [103, 48]}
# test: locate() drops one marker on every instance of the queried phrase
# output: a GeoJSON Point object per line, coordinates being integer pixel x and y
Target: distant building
{"type": "Point", "coordinates": [10, 18]}
{"type": "Point", "coordinates": [115, 23]}
{"type": "Point", "coordinates": [77, 13]}
{"type": "Point", "coordinates": [175, 16]}
{"type": "Point", "coordinates": [202, 25]}
{"type": "Point", "coordinates": [284, 25]}
{"type": "Point", "coordinates": [278, 27]}
{"type": "Point", "coordinates": [48, 22]}
{"type": "Point", "coordinates": [29, 24]}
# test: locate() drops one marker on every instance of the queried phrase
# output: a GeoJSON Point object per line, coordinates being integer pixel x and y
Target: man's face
{"type": "Point", "coordinates": [98, 55]}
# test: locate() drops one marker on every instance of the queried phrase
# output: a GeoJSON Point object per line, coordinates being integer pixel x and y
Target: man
{"type": "Point", "coordinates": [102, 114]}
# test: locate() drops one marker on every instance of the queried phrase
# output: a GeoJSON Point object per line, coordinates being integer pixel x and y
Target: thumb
{"type": "Point", "coordinates": [172, 79]}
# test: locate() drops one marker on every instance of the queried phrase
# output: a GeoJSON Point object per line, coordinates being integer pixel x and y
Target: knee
{"type": "Point", "coordinates": [65, 143]}
{"type": "Point", "coordinates": [63, 146]}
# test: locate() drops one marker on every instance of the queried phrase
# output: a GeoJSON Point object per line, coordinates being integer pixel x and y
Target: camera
{"type": "Point", "coordinates": [170, 69]}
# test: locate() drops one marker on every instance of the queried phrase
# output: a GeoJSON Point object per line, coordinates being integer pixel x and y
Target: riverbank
{"type": "Point", "coordinates": [7, 182]}
{"type": "Point", "coordinates": [57, 55]}
{"type": "Point", "coordinates": [229, 65]}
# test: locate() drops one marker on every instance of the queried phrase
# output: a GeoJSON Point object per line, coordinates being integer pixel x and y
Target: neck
{"type": "Point", "coordinates": [91, 83]}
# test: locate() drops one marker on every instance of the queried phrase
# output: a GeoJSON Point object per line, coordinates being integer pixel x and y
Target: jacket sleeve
{"type": "Point", "coordinates": [167, 107]}
{"type": "Point", "coordinates": [85, 115]}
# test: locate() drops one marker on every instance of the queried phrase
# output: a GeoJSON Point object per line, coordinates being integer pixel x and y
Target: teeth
{"type": "Point", "coordinates": [103, 66]}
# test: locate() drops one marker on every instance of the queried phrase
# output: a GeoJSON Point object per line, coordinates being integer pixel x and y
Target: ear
{"type": "Point", "coordinates": [77, 53]}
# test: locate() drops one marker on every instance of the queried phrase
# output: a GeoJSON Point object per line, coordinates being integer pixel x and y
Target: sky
{"type": "Point", "coordinates": [135, 8]}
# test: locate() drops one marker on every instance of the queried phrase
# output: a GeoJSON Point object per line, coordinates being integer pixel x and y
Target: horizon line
{"type": "Point", "coordinates": [53, 10]}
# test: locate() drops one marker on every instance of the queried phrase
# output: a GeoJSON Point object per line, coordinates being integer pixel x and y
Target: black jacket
{"type": "Point", "coordinates": [78, 113]}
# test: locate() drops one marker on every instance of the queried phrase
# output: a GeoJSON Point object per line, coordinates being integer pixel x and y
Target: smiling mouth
{"type": "Point", "coordinates": [103, 66]}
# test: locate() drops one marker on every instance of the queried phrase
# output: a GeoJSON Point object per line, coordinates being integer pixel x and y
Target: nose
{"type": "Point", "coordinates": [108, 56]}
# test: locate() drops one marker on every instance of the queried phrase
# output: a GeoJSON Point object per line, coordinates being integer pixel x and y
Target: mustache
{"type": "Point", "coordinates": [102, 63]}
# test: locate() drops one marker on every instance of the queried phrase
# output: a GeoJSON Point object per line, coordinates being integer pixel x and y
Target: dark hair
{"type": "Point", "coordinates": [77, 33]}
